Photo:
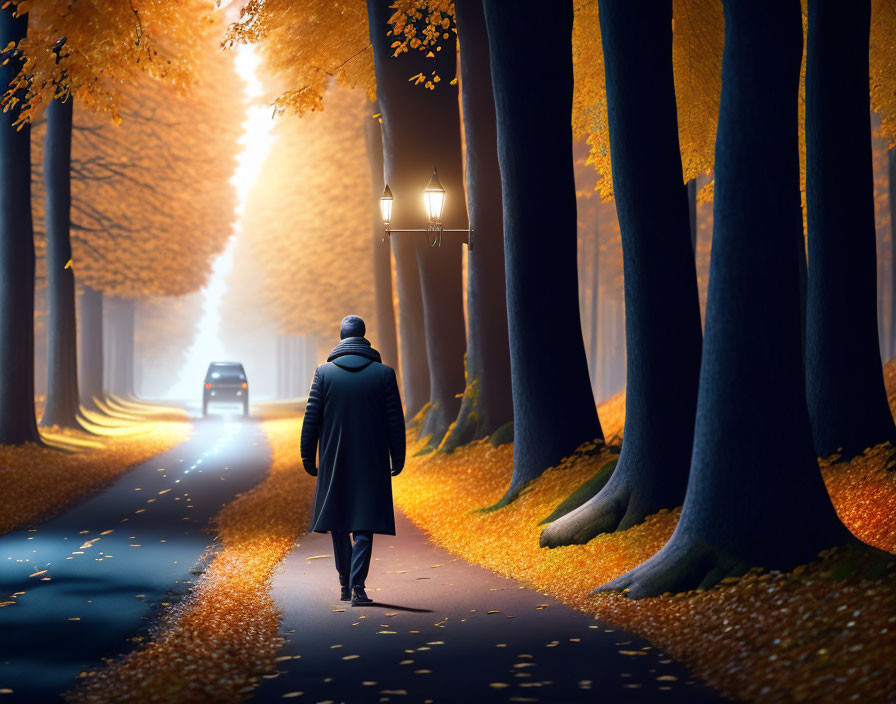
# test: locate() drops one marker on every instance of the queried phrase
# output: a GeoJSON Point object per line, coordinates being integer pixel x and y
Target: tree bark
{"type": "Point", "coordinates": [487, 403]}
{"type": "Point", "coordinates": [17, 413]}
{"type": "Point", "coordinates": [62, 358]}
{"type": "Point", "coordinates": [411, 326]}
{"type": "Point", "coordinates": [845, 386]}
{"type": "Point", "coordinates": [90, 320]}
{"type": "Point", "coordinates": [387, 341]}
{"type": "Point", "coordinates": [553, 409]}
{"type": "Point", "coordinates": [755, 495]}
{"type": "Point", "coordinates": [421, 129]}
{"type": "Point", "coordinates": [891, 174]}
{"type": "Point", "coordinates": [595, 301]}
{"type": "Point", "coordinates": [662, 309]}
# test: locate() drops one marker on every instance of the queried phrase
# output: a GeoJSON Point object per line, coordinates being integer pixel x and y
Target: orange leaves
{"type": "Point", "coordinates": [422, 25]}
{"type": "Point", "coordinates": [108, 45]}
{"type": "Point", "coordinates": [296, 40]}
{"type": "Point", "coordinates": [307, 231]}
{"type": "Point", "coordinates": [151, 200]}
{"type": "Point", "coordinates": [697, 37]}
{"type": "Point", "coordinates": [883, 65]}
{"type": "Point", "coordinates": [39, 481]}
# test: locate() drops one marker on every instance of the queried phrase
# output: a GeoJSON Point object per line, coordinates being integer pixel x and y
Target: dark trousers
{"type": "Point", "coordinates": [352, 561]}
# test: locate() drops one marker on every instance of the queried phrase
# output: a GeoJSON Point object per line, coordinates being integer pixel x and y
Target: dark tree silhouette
{"type": "Point", "coordinates": [17, 414]}
{"type": "Point", "coordinates": [891, 187]}
{"type": "Point", "coordinates": [421, 129]}
{"type": "Point", "coordinates": [755, 496]}
{"type": "Point", "coordinates": [120, 346]}
{"type": "Point", "coordinates": [62, 358]}
{"type": "Point", "coordinates": [90, 320]}
{"type": "Point", "coordinates": [595, 302]}
{"type": "Point", "coordinates": [844, 379]}
{"type": "Point", "coordinates": [487, 404]}
{"type": "Point", "coordinates": [662, 308]}
{"type": "Point", "coordinates": [386, 339]}
{"type": "Point", "coordinates": [553, 408]}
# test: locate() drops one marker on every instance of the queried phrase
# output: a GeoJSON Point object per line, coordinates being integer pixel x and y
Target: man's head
{"type": "Point", "coordinates": [352, 326]}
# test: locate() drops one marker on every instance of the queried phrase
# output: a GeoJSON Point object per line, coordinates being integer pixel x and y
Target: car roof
{"type": "Point", "coordinates": [225, 364]}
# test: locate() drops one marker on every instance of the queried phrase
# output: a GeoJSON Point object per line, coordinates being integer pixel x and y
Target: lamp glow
{"type": "Point", "coordinates": [386, 205]}
{"type": "Point", "coordinates": [434, 198]}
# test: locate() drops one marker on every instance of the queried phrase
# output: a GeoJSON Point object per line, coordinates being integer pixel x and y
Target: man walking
{"type": "Point", "coordinates": [354, 413]}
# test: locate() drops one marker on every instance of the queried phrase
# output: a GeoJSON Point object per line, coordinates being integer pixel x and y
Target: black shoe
{"type": "Point", "coordinates": [359, 597]}
{"type": "Point", "coordinates": [346, 594]}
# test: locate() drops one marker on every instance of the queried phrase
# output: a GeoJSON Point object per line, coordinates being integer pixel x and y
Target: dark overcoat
{"type": "Point", "coordinates": [354, 414]}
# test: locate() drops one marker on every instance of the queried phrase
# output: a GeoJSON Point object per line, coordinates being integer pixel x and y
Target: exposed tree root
{"type": "Point", "coordinates": [617, 506]}
{"type": "Point", "coordinates": [502, 435]}
{"type": "Point", "coordinates": [683, 564]}
{"type": "Point", "coordinates": [686, 563]}
{"type": "Point", "coordinates": [469, 426]}
{"type": "Point", "coordinates": [583, 494]}
{"type": "Point", "coordinates": [436, 422]}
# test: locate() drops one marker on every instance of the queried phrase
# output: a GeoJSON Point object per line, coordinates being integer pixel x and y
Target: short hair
{"type": "Point", "coordinates": [352, 326]}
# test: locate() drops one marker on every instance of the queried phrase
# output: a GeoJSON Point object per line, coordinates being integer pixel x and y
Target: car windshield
{"type": "Point", "coordinates": [226, 372]}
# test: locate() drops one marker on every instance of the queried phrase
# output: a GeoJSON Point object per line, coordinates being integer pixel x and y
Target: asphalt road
{"type": "Point", "coordinates": [88, 580]}
{"type": "Point", "coordinates": [443, 630]}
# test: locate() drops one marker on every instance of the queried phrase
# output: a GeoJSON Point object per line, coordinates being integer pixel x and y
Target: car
{"type": "Point", "coordinates": [225, 382]}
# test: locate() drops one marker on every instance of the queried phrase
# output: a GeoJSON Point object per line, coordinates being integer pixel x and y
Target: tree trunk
{"type": "Point", "coordinates": [845, 385]}
{"type": "Point", "coordinates": [421, 130]}
{"type": "Point", "coordinates": [121, 337]}
{"type": "Point", "coordinates": [412, 337]}
{"type": "Point", "coordinates": [891, 173]}
{"type": "Point", "coordinates": [755, 495]}
{"type": "Point", "coordinates": [662, 309]}
{"type": "Point", "coordinates": [17, 414]}
{"type": "Point", "coordinates": [386, 342]}
{"type": "Point", "coordinates": [692, 212]}
{"type": "Point", "coordinates": [553, 409]}
{"type": "Point", "coordinates": [90, 320]}
{"type": "Point", "coordinates": [62, 357]}
{"type": "Point", "coordinates": [595, 301]}
{"type": "Point", "coordinates": [487, 403]}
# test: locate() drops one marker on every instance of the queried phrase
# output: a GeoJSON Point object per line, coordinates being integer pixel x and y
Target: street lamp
{"type": "Point", "coordinates": [386, 206]}
{"type": "Point", "coordinates": [434, 202]}
{"type": "Point", "coordinates": [434, 198]}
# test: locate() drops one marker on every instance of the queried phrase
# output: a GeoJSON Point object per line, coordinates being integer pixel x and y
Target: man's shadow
{"type": "Point", "coordinates": [393, 607]}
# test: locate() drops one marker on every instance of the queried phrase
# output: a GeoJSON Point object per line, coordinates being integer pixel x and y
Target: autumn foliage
{"type": "Point", "coordinates": [299, 43]}
{"type": "Point", "coordinates": [92, 49]}
{"type": "Point", "coordinates": [307, 224]}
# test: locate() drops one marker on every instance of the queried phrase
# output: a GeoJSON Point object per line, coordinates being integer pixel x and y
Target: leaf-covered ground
{"type": "Point", "coordinates": [807, 635]}
{"type": "Point", "coordinates": [220, 641]}
{"type": "Point", "coordinates": [39, 481]}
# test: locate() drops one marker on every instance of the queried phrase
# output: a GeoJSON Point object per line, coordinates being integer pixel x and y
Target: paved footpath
{"type": "Point", "coordinates": [91, 578]}
{"type": "Point", "coordinates": [443, 630]}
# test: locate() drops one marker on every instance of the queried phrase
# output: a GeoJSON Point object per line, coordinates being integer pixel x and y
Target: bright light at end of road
{"type": "Point", "coordinates": [256, 140]}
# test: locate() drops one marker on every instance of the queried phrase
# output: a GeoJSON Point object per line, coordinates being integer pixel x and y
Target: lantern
{"type": "Point", "coordinates": [386, 204]}
{"type": "Point", "coordinates": [434, 198]}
